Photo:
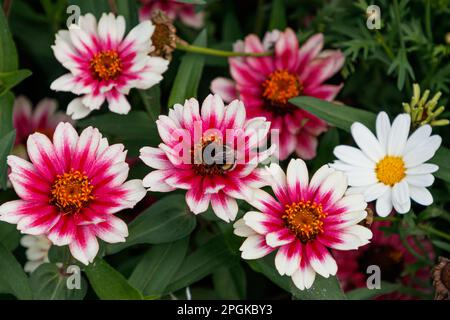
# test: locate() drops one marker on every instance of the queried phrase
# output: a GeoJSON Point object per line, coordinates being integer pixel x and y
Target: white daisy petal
{"type": "Point", "coordinates": [367, 142]}
{"type": "Point", "coordinates": [353, 156]}
{"type": "Point", "coordinates": [423, 180]}
{"type": "Point", "coordinates": [422, 169]}
{"type": "Point", "coordinates": [375, 191]}
{"type": "Point", "coordinates": [383, 127]}
{"type": "Point", "coordinates": [421, 195]}
{"type": "Point", "coordinates": [384, 204]}
{"type": "Point", "coordinates": [398, 135]}
{"type": "Point", "coordinates": [423, 152]}
{"type": "Point", "coordinates": [356, 190]}
{"type": "Point", "coordinates": [361, 177]}
{"type": "Point", "coordinates": [400, 197]}
{"type": "Point", "coordinates": [418, 137]}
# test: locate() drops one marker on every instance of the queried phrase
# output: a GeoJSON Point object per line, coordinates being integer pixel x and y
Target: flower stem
{"type": "Point", "coordinates": [430, 229]}
{"type": "Point", "coordinates": [380, 39]}
{"type": "Point", "coordinates": [219, 53]}
{"type": "Point", "coordinates": [428, 20]}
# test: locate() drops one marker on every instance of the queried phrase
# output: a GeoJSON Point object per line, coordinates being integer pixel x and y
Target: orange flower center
{"type": "Point", "coordinates": [71, 192]}
{"type": "Point", "coordinates": [280, 86]}
{"type": "Point", "coordinates": [106, 65]}
{"type": "Point", "coordinates": [304, 218]}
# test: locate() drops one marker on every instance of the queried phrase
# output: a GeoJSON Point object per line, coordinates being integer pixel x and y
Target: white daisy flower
{"type": "Point", "coordinates": [390, 167]}
{"type": "Point", "coordinates": [104, 64]}
{"type": "Point", "coordinates": [37, 251]}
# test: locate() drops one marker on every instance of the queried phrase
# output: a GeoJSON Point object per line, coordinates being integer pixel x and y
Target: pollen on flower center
{"type": "Point", "coordinates": [390, 170]}
{"type": "Point", "coordinates": [280, 86]}
{"type": "Point", "coordinates": [106, 65]}
{"type": "Point", "coordinates": [71, 192]}
{"type": "Point", "coordinates": [304, 218]}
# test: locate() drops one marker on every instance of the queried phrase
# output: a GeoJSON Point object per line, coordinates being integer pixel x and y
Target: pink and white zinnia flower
{"type": "Point", "coordinates": [71, 190]}
{"type": "Point", "coordinates": [306, 218]}
{"type": "Point", "coordinates": [173, 10]}
{"type": "Point", "coordinates": [265, 85]}
{"type": "Point", "coordinates": [103, 64]}
{"type": "Point", "coordinates": [26, 121]}
{"type": "Point", "coordinates": [182, 160]}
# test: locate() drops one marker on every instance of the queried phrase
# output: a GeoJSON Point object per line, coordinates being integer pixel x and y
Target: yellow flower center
{"type": "Point", "coordinates": [280, 86]}
{"type": "Point", "coordinates": [71, 192]}
{"type": "Point", "coordinates": [390, 170]}
{"type": "Point", "coordinates": [304, 218]}
{"type": "Point", "coordinates": [106, 65]}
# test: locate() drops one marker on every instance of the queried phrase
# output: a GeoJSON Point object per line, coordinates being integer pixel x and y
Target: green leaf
{"type": "Point", "coordinates": [48, 282]}
{"type": "Point", "coordinates": [165, 221]}
{"type": "Point", "coordinates": [329, 141]}
{"type": "Point", "coordinates": [6, 111]}
{"type": "Point", "coordinates": [441, 245]}
{"type": "Point", "coordinates": [9, 236]}
{"type": "Point", "coordinates": [441, 158]}
{"type": "Point", "coordinates": [59, 254]}
{"type": "Point", "coordinates": [366, 293]}
{"type": "Point", "coordinates": [30, 27]}
{"type": "Point", "coordinates": [12, 78]}
{"type": "Point", "coordinates": [230, 283]}
{"type": "Point", "coordinates": [402, 68]}
{"type": "Point", "coordinates": [431, 212]}
{"type": "Point", "coordinates": [203, 262]}
{"type": "Point", "coordinates": [337, 115]}
{"type": "Point", "coordinates": [158, 266]}
{"type": "Point", "coordinates": [13, 279]}
{"type": "Point", "coordinates": [278, 15]}
{"type": "Point", "coordinates": [129, 10]}
{"type": "Point", "coordinates": [7, 134]}
{"type": "Point", "coordinates": [6, 145]}
{"type": "Point", "coordinates": [322, 289]}
{"type": "Point", "coordinates": [8, 53]}
{"type": "Point", "coordinates": [231, 28]}
{"type": "Point", "coordinates": [136, 125]}
{"type": "Point", "coordinates": [189, 74]}
{"type": "Point", "coordinates": [109, 284]}
{"type": "Point", "coordinates": [96, 7]}
{"type": "Point", "coordinates": [152, 101]}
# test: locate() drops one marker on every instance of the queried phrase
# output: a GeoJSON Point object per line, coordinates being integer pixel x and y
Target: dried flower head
{"type": "Point", "coordinates": [441, 279]}
{"type": "Point", "coordinates": [423, 111]}
{"type": "Point", "coordinates": [164, 38]}
{"type": "Point", "coordinates": [369, 219]}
